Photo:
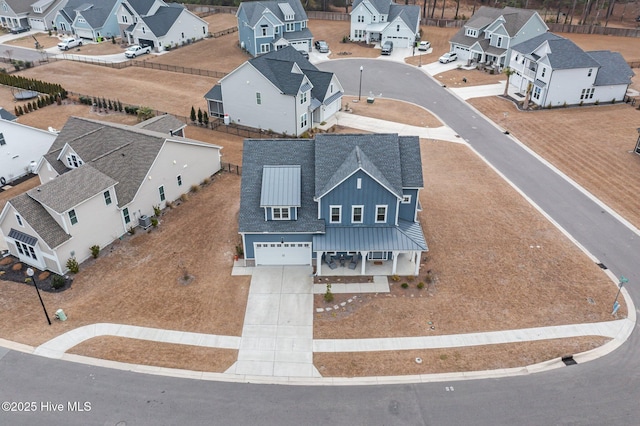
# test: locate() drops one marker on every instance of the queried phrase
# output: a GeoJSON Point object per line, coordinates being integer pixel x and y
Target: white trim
{"type": "Point", "coordinates": [361, 213]}
{"type": "Point", "coordinates": [406, 197]}
{"type": "Point", "coordinates": [331, 207]}
{"type": "Point", "coordinates": [386, 212]}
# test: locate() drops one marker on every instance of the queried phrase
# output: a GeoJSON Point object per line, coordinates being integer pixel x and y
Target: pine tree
{"type": "Point", "coordinates": [20, 111]}
{"type": "Point", "coordinates": [110, 105]}
{"type": "Point", "coordinates": [199, 116]}
{"type": "Point", "coordinates": [28, 107]}
{"type": "Point", "coordinates": [104, 104]}
{"type": "Point", "coordinates": [205, 118]}
{"type": "Point", "coordinates": [119, 106]}
{"type": "Point", "coordinates": [193, 115]}
{"type": "Point", "coordinates": [15, 110]}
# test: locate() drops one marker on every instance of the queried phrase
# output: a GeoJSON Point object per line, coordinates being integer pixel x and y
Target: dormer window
{"type": "Point", "coordinates": [280, 194]}
{"type": "Point", "coordinates": [303, 97]}
{"type": "Point", "coordinates": [471, 32]}
{"type": "Point", "coordinates": [287, 11]}
{"type": "Point", "coordinates": [280, 213]}
{"type": "Point", "coordinates": [73, 161]}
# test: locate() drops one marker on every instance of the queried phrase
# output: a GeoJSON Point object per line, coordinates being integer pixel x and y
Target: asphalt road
{"type": "Point", "coordinates": [604, 391]}
{"type": "Point", "coordinates": [20, 53]}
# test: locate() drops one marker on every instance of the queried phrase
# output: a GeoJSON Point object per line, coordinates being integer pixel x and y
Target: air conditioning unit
{"type": "Point", "coordinates": [144, 221]}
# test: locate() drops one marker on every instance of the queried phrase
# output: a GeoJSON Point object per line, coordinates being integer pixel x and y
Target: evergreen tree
{"type": "Point", "coordinates": [20, 111]}
{"type": "Point", "coordinates": [193, 114]}
{"type": "Point", "coordinates": [199, 116]}
{"type": "Point", "coordinates": [28, 107]}
{"type": "Point", "coordinates": [110, 105]}
{"type": "Point", "coordinates": [205, 118]}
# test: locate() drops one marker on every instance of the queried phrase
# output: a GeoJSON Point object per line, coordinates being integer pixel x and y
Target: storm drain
{"type": "Point", "coordinates": [568, 360]}
{"type": "Point", "coordinates": [602, 265]}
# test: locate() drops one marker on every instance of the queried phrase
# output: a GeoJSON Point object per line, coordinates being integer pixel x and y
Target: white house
{"type": "Point", "coordinates": [98, 180]}
{"type": "Point", "coordinates": [382, 20]}
{"type": "Point", "coordinates": [158, 24]}
{"type": "Point", "coordinates": [280, 91]}
{"type": "Point", "coordinates": [21, 147]}
{"type": "Point", "coordinates": [487, 36]}
{"type": "Point", "coordinates": [36, 14]}
{"type": "Point", "coordinates": [558, 72]}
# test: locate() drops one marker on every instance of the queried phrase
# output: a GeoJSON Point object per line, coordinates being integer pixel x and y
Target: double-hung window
{"type": "Point", "coordinates": [381, 214]}
{"type": "Point", "coordinates": [336, 214]}
{"type": "Point", "coordinates": [356, 214]}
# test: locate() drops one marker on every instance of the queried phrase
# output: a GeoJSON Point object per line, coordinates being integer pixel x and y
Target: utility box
{"type": "Point", "coordinates": [61, 315]}
{"type": "Point", "coordinates": [144, 221]}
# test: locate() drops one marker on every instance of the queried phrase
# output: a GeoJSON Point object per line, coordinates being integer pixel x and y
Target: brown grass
{"type": "Point", "coordinates": [392, 110]}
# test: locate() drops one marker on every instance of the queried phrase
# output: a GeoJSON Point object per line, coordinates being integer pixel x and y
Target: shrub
{"type": "Point", "coordinates": [58, 282]}
{"type": "Point", "coordinates": [404, 285]}
{"type": "Point", "coordinates": [131, 230]}
{"type": "Point", "coordinates": [581, 103]}
{"type": "Point", "coordinates": [613, 101]}
{"type": "Point", "coordinates": [195, 188]}
{"type": "Point", "coordinates": [157, 211]}
{"type": "Point", "coordinates": [395, 278]}
{"type": "Point", "coordinates": [95, 251]}
{"type": "Point", "coordinates": [597, 102]}
{"type": "Point", "coordinates": [184, 197]}
{"type": "Point", "coordinates": [170, 204]}
{"type": "Point", "coordinates": [239, 250]}
{"type": "Point", "coordinates": [206, 181]}
{"type": "Point", "coordinates": [420, 285]}
{"type": "Point", "coordinates": [72, 265]}
{"type": "Point", "coordinates": [154, 222]}
{"type": "Point", "coordinates": [328, 296]}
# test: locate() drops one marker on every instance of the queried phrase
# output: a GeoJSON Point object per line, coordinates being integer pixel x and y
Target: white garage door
{"type": "Point", "coordinates": [300, 45]}
{"type": "Point", "coordinates": [463, 53]}
{"type": "Point", "coordinates": [282, 253]}
{"type": "Point", "coordinates": [84, 33]}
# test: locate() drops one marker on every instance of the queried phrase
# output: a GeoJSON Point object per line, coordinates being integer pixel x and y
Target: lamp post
{"type": "Point", "coordinates": [31, 275]}
{"type": "Point", "coordinates": [360, 89]}
{"type": "Point", "coordinates": [623, 280]}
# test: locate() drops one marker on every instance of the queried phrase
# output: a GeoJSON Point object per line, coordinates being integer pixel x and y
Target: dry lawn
{"type": "Point", "coordinates": [157, 354]}
{"type": "Point", "coordinates": [454, 78]}
{"type": "Point", "coordinates": [449, 360]}
{"type": "Point", "coordinates": [136, 281]}
{"type": "Point", "coordinates": [391, 110]}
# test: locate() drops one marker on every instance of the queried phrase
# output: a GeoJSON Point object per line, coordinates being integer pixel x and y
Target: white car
{"type": "Point", "coordinates": [135, 50]}
{"type": "Point", "coordinates": [448, 57]}
{"type": "Point", "coordinates": [69, 43]}
{"type": "Point", "coordinates": [424, 46]}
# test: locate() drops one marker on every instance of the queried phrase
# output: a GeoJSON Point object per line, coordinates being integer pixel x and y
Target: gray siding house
{"type": "Point", "coordinates": [336, 198]}
{"type": "Point", "coordinates": [281, 91]}
{"type": "Point", "coordinates": [375, 21]}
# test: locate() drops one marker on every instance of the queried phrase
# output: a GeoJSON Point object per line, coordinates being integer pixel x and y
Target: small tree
{"type": "Point", "coordinates": [145, 113]}
{"type": "Point", "coordinates": [95, 251]}
{"type": "Point", "coordinates": [508, 72]}
{"type": "Point", "coordinates": [104, 104]}
{"type": "Point", "coordinates": [20, 110]}
{"type": "Point", "coordinates": [193, 115]}
{"type": "Point", "coordinates": [205, 118]}
{"type": "Point", "coordinates": [200, 116]}
{"type": "Point", "coordinates": [110, 105]}
{"type": "Point", "coordinates": [119, 106]}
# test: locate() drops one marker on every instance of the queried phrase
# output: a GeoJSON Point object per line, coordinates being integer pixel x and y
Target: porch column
{"type": "Point", "coordinates": [395, 262]}
{"type": "Point", "coordinates": [319, 263]}
{"type": "Point", "coordinates": [364, 261]}
{"type": "Point", "coordinates": [417, 267]}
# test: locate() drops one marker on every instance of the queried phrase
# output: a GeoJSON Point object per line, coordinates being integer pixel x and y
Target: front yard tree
{"type": "Point", "coordinates": [200, 116]}
{"type": "Point", "coordinates": [508, 72]}
{"type": "Point", "coordinates": [193, 115]}
{"type": "Point", "coordinates": [205, 118]}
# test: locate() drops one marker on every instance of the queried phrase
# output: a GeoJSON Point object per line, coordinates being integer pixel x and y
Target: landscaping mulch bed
{"type": "Point", "coordinates": [11, 269]}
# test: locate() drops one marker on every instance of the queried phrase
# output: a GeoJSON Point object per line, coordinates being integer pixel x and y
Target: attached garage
{"type": "Point", "coordinates": [84, 33]}
{"type": "Point", "coordinates": [300, 45]}
{"type": "Point", "coordinates": [144, 43]}
{"type": "Point", "coordinates": [282, 253]}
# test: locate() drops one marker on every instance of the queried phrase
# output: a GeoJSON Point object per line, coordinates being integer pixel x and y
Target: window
{"type": "Point", "coordinates": [303, 24]}
{"type": "Point", "coordinates": [73, 161]}
{"type": "Point", "coordinates": [406, 199]}
{"type": "Point", "coordinates": [182, 34]}
{"type": "Point", "coordinates": [26, 250]}
{"type": "Point", "coordinates": [590, 72]}
{"type": "Point", "coordinates": [536, 92]}
{"type": "Point", "coordinates": [258, 98]}
{"type": "Point", "coordinates": [290, 27]}
{"type": "Point", "coordinates": [107, 197]}
{"type": "Point", "coordinates": [19, 219]}
{"type": "Point", "coordinates": [144, 31]}
{"type": "Point", "coordinates": [471, 32]}
{"type": "Point", "coordinates": [303, 97]}
{"type": "Point", "coordinates": [2, 141]}
{"type": "Point", "coordinates": [72, 217]}
{"type": "Point", "coordinates": [359, 183]}
{"type": "Point", "coordinates": [179, 179]}
{"type": "Point", "coordinates": [281, 213]}
{"type": "Point", "coordinates": [543, 72]}
{"type": "Point", "coordinates": [373, 18]}
{"type": "Point", "coordinates": [161, 191]}
{"type": "Point", "coordinates": [303, 120]}
{"type": "Point", "coordinates": [381, 214]}
{"type": "Point", "coordinates": [204, 30]}
{"type": "Point", "coordinates": [82, 21]}
{"type": "Point", "coordinates": [499, 41]}
{"type": "Point", "coordinates": [398, 27]}
{"type": "Point", "coordinates": [264, 29]}
{"type": "Point", "coordinates": [336, 214]}
{"type": "Point", "coordinates": [356, 214]}
{"type": "Point", "coordinates": [360, 18]}
{"type": "Point", "coordinates": [264, 48]}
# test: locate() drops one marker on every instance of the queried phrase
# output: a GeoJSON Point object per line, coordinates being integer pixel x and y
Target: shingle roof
{"type": "Point", "coordinates": [381, 6]}
{"type": "Point", "coordinates": [161, 22]}
{"type": "Point", "coordinates": [142, 7]}
{"type": "Point", "coordinates": [514, 20]}
{"type": "Point", "coordinates": [20, 6]}
{"type": "Point", "coordinates": [6, 115]}
{"type": "Point", "coordinates": [614, 69]}
{"type": "Point", "coordinates": [215, 94]}
{"type": "Point", "coordinates": [40, 220]}
{"type": "Point", "coordinates": [410, 14]}
{"type": "Point", "coordinates": [162, 124]}
{"type": "Point", "coordinates": [254, 10]}
{"type": "Point", "coordinates": [72, 188]}
{"type": "Point", "coordinates": [97, 15]}
{"type": "Point", "coordinates": [565, 54]}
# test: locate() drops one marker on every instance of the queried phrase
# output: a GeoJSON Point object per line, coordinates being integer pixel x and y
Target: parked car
{"type": "Point", "coordinates": [322, 46]}
{"type": "Point", "coordinates": [69, 43]}
{"type": "Point", "coordinates": [304, 53]}
{"type": "Point", "coordinates": [18, 30]}
{"type": "Point", "coordinates": [387, 47]}
{"type": "Point", "coordinates": [448, 57]}
{"type": "Point", "coordinates": [424, 46]}
{"type": "Point", "coordinates": [135, 50]}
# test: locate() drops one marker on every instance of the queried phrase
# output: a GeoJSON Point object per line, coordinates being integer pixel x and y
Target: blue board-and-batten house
{"type": "Point", "coordinates": [354, 197]}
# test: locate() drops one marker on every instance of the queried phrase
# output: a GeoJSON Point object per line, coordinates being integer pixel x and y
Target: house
{"type": "Point", "coordinates": [558, 72]}
{"type": "Point", "coordinates": [165, 123]}
{"type": "Point", "coordinates": [21, 147]}
{"type": "Point", "coordinates": [6, 115]}
{"type": "Point", "coordinates": [89, 20]}
{"type": "Point", "coordinates": [375, 21]}
{"type": "Point", "coordinates": [36, 14]}
{"type": "Point", "coordinates": [488, 35]}
{"type": "Point", "coordinates": [264, 26]}
{"type": "Point", "coordinates": [98, 181]}
{"type": "Point", "coordinates": [280, 91]}
{"type": "Point", "coordinates": [158, 24]}
{"type": "Point", "coordinates": [349, 197]}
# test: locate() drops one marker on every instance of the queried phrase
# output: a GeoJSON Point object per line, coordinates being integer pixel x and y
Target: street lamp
{"type": "Point", "coordinates": [623, 280]}
{"type": "Point", "coordinates": [360, 89]}
{"type": "Point", "coordinates": [31, 275]}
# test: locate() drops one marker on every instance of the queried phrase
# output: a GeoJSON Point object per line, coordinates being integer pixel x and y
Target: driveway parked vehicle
{"type": "Point", "coordinates": [448, 57]}
{"type": "Point", "coordinates": [18, 30]}
{"type": "Point", "coordinates": [69, 43]}
{"type": "Point", "coordinates": [135, 50]}
{"type": "Point", "coordinates": [424, 46]}
{"type": "Point", "coordinates": [322, 46]}
{"type": "Point", "coordinates": [387, 47]}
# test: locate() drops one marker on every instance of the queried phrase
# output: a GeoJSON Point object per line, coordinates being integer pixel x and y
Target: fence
{"type": "Point", "coordinates": [594, 29]}
{"type": "Point", "coordinates": [232, 168]}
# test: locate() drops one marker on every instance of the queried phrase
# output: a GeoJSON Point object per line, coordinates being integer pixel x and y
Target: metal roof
{"type": "Point", "coordinates": [22, 237]}
{"type": "Point", "coordinates": [280, 186]}
{"type": "Point", "coordinates": [286, 10]}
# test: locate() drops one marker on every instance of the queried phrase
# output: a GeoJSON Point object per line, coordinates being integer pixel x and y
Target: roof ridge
{"type": "Point", "coordinates": [110, 152]}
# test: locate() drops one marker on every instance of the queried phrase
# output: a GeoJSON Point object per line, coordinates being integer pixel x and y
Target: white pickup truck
{"type": "Point", "coordinates": [69, 43]}
{"type": "Point", "coordinates": [135, 50]}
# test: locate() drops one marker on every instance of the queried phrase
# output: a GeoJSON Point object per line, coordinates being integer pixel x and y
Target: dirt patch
{"type": "Point", "coordinates": [450, 360]}
{"type": "Point", "coordinates": [462, 78]}
{"type": "Point", "coordinates": [502, 266]}
{"type": "Point", "coordinates": [135, 281]}
{"type": "Point", "coordinates": [391, 110]}
{"type": "Point", "coordinates": [136, 351]}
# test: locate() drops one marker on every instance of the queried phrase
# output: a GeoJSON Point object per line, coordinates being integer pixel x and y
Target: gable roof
{"type": "Point", "coordinates": [613, 70]}
{"type": "Point", "coordinates": [98, 13]}
{"type": "Point", "coordinates": [141, 7]}
{"type": "Point", "coordinates": [161, 22]}
{"type": "Point", "coordinates": [39, 219]}
{"type": "Point", "coordinates": [164, 123]}
{"type": "Point", "coordinates": [564, 54]}
{"type": "Point", "coordinates": [380, 6]}
{"type": "Point", "coordinates": [410, 14]}
{"type": "Point", "coordinates": [253, 10]}
{"type": "Point", "coordinates": [6, 115]}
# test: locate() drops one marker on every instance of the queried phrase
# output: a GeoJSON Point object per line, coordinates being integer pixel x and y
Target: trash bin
{"type": "Point", "coordinates": [61, 315]}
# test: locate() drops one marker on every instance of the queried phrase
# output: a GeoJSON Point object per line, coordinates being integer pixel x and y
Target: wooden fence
{"type": "Point", "coordinates": [594, 29]}
{"type": "Point", "coordinates": [231, 168]}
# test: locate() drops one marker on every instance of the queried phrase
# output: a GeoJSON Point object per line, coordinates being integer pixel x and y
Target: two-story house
{"type": "Point", "coordinates": [98, 180]}
{"type": "Point", "coordinates": [158, 24]}
{"type": "Point", "coordinates": [489, 34]}
{"type": "Point", "coordinates": [89, 20]}
{"type": "Point", "coordinates": [558, 72]}
{"type": "Point", "coordinates": [279, 91]}
{"type": "Point", "coordinates": [264, 26]}
{"type": "Point", "coordinates": [36, 14]}
{"type": "Point", "coordinates": [338, 196]}
{"type": "Point", "coordinates": [375, 21]}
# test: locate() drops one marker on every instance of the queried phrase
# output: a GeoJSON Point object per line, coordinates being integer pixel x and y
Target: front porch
{"type": "Point", "coordinates": [400, 264]}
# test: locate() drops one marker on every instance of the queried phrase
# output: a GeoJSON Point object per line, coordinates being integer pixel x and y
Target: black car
{"type": "Point", "coordinates": [18, 30]}
{"type": "Point", "coordinates": [322, 46]}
